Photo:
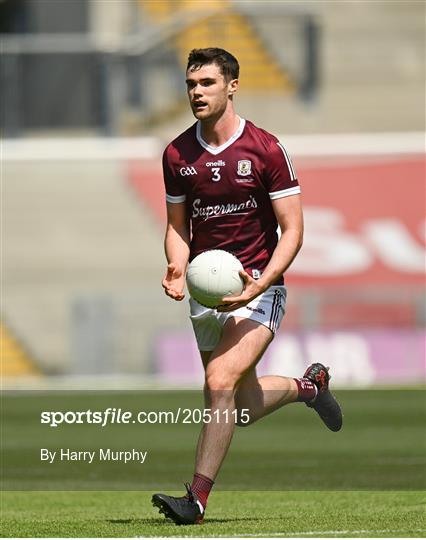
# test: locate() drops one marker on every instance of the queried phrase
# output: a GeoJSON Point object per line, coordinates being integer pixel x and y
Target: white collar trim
{"type": "Point", "coordinates": [218, 149]}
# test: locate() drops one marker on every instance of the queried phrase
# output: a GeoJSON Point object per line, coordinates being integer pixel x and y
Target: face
{"type": "Point", "coordinates": [208, 92]}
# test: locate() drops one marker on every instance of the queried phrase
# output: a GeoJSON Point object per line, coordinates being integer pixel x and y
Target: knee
{"type": "Point", "coordinates": [216, 382]}
{"type": "Point", "coordinates": [220, 382]}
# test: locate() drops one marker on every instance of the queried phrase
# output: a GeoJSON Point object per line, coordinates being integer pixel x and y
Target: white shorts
{"type": "Point", "coordinates": [268, 309]}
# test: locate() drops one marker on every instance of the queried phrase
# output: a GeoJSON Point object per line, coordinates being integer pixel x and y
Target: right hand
{"type": "Point", "coordinates": [173, 282]}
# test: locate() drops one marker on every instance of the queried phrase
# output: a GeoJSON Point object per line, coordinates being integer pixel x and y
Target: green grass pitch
{"type": "Point", "coordinates": [285, 476]}
{"type": "Point", "coordinates": [286, 514]}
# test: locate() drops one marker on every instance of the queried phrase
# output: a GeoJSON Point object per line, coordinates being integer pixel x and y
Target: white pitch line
{"type": "Point", "coordinates": [305, 533]}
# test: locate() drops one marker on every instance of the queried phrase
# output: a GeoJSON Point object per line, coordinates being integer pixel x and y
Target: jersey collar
{"type": "Point", "coordinates": [218, 149]}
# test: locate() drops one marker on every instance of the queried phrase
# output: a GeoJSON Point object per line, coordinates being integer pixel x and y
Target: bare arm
{"type": "Point", "coordinates": [176, 245]}
{"type": "Point", "coordinates": [288, 211]}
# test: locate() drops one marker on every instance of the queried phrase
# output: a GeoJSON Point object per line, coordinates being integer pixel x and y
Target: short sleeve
{"type": "Point", "coordinates": [281, 177]}
{"type": "Point", "coordinates": [173, 184]}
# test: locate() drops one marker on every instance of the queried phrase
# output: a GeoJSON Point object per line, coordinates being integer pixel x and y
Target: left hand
{"type": "Point", "coordinates": [252, 288]}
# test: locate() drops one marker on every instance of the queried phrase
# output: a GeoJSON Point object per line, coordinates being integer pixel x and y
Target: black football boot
{"type": "Point", "coordinates": [325, 403]}
{"type": "Point", "coordinates": [186, 510]}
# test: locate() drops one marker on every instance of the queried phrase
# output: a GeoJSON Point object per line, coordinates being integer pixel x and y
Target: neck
{"type": "Point", "coordinates": [217, 132]}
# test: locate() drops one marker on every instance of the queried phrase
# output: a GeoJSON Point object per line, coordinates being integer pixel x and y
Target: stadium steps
{"type": "Point", "coordinates": [15, 358]}
{"type": "Point", "coordinates": [371, 67]}
{"type": "Point", "coordinates": [230, 30]}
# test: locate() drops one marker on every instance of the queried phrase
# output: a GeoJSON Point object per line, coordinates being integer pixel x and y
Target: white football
{"type": "Point", "coordinates": [213, 275]}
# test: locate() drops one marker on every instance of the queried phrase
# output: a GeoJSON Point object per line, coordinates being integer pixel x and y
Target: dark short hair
{"type": "Point", "coordinates": [227, 63]}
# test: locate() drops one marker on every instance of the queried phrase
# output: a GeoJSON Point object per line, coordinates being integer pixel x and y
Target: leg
{"type": "Point", "coordinates": [205, 357]}
{"type": "Point", "coordinates": [264, 395]}
{"type": "Point", "coordinates": [231, 384]}
{"type": "Point", "coordinates": [242, 345]}
{"type": "Point", "coordinates": [261, 395]}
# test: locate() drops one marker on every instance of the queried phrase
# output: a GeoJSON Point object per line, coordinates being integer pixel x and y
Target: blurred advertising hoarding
{"type": "Point", "coordinates": [364, 219]}
{"type": "Point", "coordinates": [356, 358]}
{"type": "Point", "coordinates": [365, 223]}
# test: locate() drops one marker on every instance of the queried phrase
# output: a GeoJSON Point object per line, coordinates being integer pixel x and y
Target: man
{"type": "Point", "coordinates": [226, 163]}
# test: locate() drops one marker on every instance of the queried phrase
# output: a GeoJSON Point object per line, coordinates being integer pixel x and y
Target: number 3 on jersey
{"type": "Point", "coordinates": [216, 175]}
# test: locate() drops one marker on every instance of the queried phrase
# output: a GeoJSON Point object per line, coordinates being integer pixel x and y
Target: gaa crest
{"type": "Point", "coordinates": [244, 167]}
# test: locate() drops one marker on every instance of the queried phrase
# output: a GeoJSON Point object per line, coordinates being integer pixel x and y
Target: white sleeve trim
{"type": "Point", "coordinates": [284, 192]}
{"type": "Point", "coordinates": [288, 161]}
{"type": "Point", "coordinates": [178, 199]}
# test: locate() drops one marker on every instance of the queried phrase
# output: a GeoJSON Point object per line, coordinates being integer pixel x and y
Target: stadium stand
{"type": "Point", "coordinates": [229, 29]}
{"type": "Point", "coordinates": [370, 65]}
{"type": "Point", "coordinates": [75, 235]}
{"type": "Point", "coordinates": [349, 66]}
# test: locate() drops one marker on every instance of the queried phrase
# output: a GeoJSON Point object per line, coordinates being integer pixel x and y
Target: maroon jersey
{"type": "Point", "coordinates": [228, 191]}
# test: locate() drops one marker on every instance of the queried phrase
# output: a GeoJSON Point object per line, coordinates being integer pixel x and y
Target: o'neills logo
{"type": "Point", "coordinates": [219, 163]}
{"type": "Point", "coordinates": [221, 209]}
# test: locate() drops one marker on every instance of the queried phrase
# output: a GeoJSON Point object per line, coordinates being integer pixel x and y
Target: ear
{"type": "Point", "coordinates": [232, 87]}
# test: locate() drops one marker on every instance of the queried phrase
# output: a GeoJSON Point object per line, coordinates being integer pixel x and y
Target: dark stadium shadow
{"type": "Point", "coordinates": [138, 521]}
{"type": "Point", "coordinates": [230, 520]}
{"type": "Point", "coordinates": [163, 521]}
